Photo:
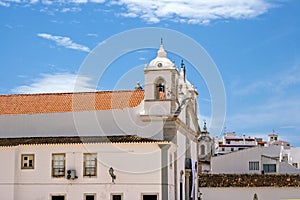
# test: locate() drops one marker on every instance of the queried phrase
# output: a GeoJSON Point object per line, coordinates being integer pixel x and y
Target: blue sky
{"type": "Point", "coordinates": [254, 43]}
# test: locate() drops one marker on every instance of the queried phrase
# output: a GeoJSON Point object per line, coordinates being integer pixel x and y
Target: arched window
{"type": "Point", "coordinates": [202, 149]}
{"type": "Point", "coordinates": [160, 89]}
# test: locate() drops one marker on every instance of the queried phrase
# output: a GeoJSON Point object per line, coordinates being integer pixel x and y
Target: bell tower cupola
{"type": "Point", "coordinates": [161, 79]}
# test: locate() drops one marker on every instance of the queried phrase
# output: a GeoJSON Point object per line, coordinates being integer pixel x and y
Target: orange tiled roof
{"type": "Point", "coordinates": [69, 102]}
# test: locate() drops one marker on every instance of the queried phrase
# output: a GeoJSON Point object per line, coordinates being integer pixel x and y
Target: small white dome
{"type": "Point", "coordinates": [161, 61]}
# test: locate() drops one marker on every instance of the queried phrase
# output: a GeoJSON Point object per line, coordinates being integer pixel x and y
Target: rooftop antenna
{"type": "Point", "coordinates": [204, 127]}
{"type": "Point", "coordinates": [184, 70]}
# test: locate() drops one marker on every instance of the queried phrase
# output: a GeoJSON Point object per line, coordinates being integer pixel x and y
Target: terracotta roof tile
{"type": "Point", "coordinates": [68, 102]}
{"type": "Point", "coordinates": [76, 139]}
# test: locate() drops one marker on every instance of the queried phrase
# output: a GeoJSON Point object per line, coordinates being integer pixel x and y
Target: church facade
{"type": "Point", "coordinates": [114, 145]}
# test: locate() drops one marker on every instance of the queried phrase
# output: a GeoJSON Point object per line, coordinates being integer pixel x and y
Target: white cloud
{"type": "Point", "coordinates": [65, 42]}
{"type": "Point", "coordinates": [73, 9]}
{"type": "Point", "coordinates": [182, 11]}
{"type": "Point", "coordinates": [92, 35]}
{"type": "Point", "coordinates": [278, 83]}
{"type": "Point", "coordinates": [194, 11]}
{"type": "Point", "coordinates": [278, 113]}
{"type": "Point", "coordinates": [277, 105]}
{"type": "Point", "coordinates": [5, 4]}
{"type": "Point", "coordinates": [54, 83]}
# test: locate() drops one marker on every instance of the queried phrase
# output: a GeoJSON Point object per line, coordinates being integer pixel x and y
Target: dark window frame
{"type": "Point", "coordinates": [115, 196]}
{"type": "Point", "coordinates": [254, 165]}
{"type": "Point", "coordinates": [58, 166]}
{"type": "Point", "coordinates": [270, 168]}
{"type": "Point", "coordinates": [25, 159]}
{"type": "Point", "coordinates": [87, 195]}
{"type": "Point", "coordinates": [145, 195]}
{"type": "Point", "coordinates": [89, 170]}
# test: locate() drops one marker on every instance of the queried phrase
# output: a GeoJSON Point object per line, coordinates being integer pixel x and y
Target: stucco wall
{"type": "Point", "coordinates": [238, 162]}
{"type": "Point", "coordinates": [235, 163]}
{"type": "Point", "coordinates": [7, 177]}
{"type": "Point", "coordinates": [88, 123]}
{"type": "Point", "coordinates": [263, 193]}
{"type": "Point", "coordinates": [137, 168]}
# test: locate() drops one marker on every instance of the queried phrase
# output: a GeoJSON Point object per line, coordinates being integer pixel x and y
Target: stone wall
{"type": "Point", "coordinates": [248, 180]}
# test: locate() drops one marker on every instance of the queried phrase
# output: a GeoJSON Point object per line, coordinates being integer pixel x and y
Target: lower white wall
{"type": "Point", "coordinates": [263, 193]}
{"type": "Point", "coordinates": [77, 191]}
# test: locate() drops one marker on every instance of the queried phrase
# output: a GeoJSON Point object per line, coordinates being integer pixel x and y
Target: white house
{"type": "Point", "coordinates": [230, 142]}
{"type": "Point", "coordinates": [273, 140]}
{"type": "Point", "coordinates": [113, 145]}
{"type": "Point", "coordinates": [257, 160]}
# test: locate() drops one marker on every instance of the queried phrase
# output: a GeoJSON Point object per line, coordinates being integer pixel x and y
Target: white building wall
{"type": "Point", "coordinates": [137, 168]}
{"type": "Point", "coordinates": [295, 156]}
{"type": "Point", "coordinates": [87, 123]}
{"type": "Point", "coordinates": [7, 177]}
{"type": "Point", "coordinates": [181, 161]}
{"type": "Point", "coordinates": [247, 193]}
{"type": "Point", "coordinates": [237, 162]}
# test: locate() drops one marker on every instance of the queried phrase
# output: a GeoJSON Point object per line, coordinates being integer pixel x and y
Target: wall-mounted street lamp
{"type": "Point", "coordinates": [111, 173]}
{"type": "Point", "coordinates": [199, 194]}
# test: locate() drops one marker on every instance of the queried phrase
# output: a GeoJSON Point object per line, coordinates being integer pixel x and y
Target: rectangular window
{"type": "Point", "coordinates": [149, 197]}
{"type": "Point", "coordinates": [90, 164]}
{"type": "Point", "coordinates": [269, 168]}
{"type": "Point", "coordinates": [58, 165]}
{"type": "Point", "coordinates": [116, 197]}
{"type": "Point", "coordinates": [27, 161]}
{"type": "Point", "coordinates": [58, 197]}
{"type": "Point", "coordinates": [254, 165]}
{"type": "Point", "coordinates": [89, 197]}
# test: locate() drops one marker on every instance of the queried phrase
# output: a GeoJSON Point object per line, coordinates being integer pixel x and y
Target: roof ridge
{"type": "Point", "coordinates": [39, 140]}
{"type": "Point", "coordinates": [66, 93]}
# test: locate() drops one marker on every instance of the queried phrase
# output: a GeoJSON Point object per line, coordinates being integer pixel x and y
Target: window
{"type": "Point", "coordinates": [231, 149]}
{"type": "Point", "coordinates": [269, 168]}
{"type": "Point", "coordinates": [58, 165]}
{"type": "Point", "coordinates": [150, 197]}
{"type": "Point", "coordinates": [285, 158]}
{"type": "Point", "coordinates": [202, 149]}
{"type": "Point", "coordinates": [295, 165]}
{"type": "Point", "coordinates": [90, 164]}
{"type": "Point", "coordinates": [253, 165]}
{"type": "Point", "coordinates": [116, 197]}
{"type": "Point", "coordinates": [223, 149]}
{"type": "Point", "coordinates": [58, 197]}
{"type": "Point", "coordinates": [160, 89]}
{"type": "Point", "coordinates": [27, 161]}
{"type": "Point", "coordinates": [89, 196]}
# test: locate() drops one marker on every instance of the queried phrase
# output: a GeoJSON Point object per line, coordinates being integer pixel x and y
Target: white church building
{"type": "Point", "coordinates": [106, 145]}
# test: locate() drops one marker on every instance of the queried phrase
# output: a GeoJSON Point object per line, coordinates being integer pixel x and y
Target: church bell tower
{"type": "Point", "coordinates": [161, 80]}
